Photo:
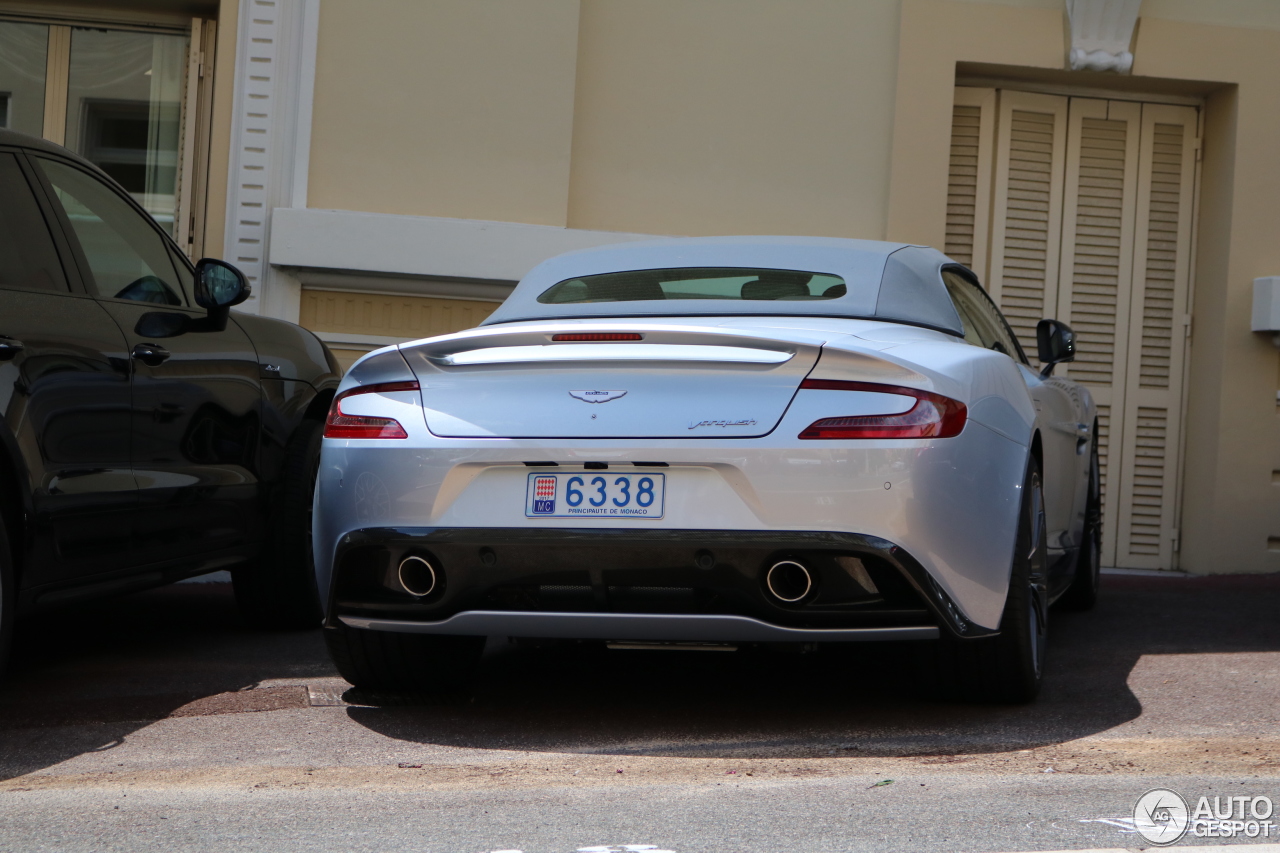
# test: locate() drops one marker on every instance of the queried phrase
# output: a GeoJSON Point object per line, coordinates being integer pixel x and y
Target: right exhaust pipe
{"type": "Point", "coordinates": [788, 581]}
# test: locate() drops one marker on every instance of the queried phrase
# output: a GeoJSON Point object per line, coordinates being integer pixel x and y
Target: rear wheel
{"type": "Point", "coordinates": [278, 590]}
{"type": "Point", "coordinates": [1083, 592]}
{"type": "Point", "coordinates": [1008, 667]}
{"type": "Point", "coordinates": [7, 595]}
{"type": "Point", "coordinates": [385, 660]}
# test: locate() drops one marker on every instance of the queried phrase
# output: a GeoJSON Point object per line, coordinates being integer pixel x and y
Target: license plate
{"type": "Point", "coordinates": [588, 494]}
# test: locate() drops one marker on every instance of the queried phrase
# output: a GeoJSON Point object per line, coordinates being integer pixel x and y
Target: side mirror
{"type": "Point", "coordinates": [218, 287]}
{"type": "Point", "coordinates": [1056, 343]}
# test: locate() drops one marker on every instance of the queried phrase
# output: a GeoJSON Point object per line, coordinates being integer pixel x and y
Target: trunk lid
{"type": "Point", "coordinates": [674, 382]}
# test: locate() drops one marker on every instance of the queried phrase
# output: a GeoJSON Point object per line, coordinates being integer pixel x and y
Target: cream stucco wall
{"type": "Point", "coordinates": [734, 116]}
{"type": "Point", "coordinates": [459, 108]}
{"type": "Point", "coordinates": [1233, 437]}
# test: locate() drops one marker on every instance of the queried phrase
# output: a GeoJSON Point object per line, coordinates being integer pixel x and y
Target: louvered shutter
{"type": "Point", "coordinates": [973, 122]}
{"type": "Point", "coordinates": [1089, 219]}
{"type": "Point", "coordinates": [1157, 319]}
{"type": "Point", "coordinates": [1099, 205]}
{"type": "Point", "coordinates": [1026, 206]}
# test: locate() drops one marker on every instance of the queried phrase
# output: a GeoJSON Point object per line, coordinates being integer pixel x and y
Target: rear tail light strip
{"type": "Point", "coordinates": [932, 416]}
{"type": "Point", "coordinates": [340, 425]}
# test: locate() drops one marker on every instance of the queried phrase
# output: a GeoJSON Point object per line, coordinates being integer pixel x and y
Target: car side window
{"type": "Point", "coordinates": [28, 257]}
{"type": "Point", "coordinates": [983, 324]}
{"type": "Point", "coordinates": [127, 257]}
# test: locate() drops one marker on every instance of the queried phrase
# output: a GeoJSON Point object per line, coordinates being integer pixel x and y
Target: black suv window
{"type": "Point", "coordinates": [28, 259]}
{"type": "Point", "coordinates": [984, 325]}
{"type": "Point", "coordinates": [127, 256]}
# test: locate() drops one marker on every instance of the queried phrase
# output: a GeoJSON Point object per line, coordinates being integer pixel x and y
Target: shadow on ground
{"type": "Point", "coordinates": [83, 679]}
{"type": "Point", "coordinates": [855, 700]}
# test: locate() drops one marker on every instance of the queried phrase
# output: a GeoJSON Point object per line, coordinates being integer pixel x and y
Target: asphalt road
{"type": "Point", "coordinates": [159, 722]}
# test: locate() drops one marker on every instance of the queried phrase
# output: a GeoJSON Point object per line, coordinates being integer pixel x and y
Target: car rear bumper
{"type": "Point", "coordinates": [635, 626]}
{"type": "Point", "coordinates": [628, 584]}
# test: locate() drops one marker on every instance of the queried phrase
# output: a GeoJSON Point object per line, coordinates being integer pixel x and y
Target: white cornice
{"type": "Point", "coordinates": [1101, 31]}
{"type": "Point", "coordinates": [422, 245]}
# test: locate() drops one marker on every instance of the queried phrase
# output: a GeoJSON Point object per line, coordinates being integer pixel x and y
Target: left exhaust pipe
{"type": "Point", "coordinates": [788, 581]}
{"type": "Point", "coordinates": [417, 576]}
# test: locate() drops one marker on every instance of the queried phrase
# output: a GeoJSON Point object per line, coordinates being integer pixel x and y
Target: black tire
{"type": "Point", "coordinates": [278, 590]}
{"type": "Point", "coordinates": [1008, 667]}
{"type": "Point", "coordinates": [416, 663]}
{"type": "Point", "coordinates": [1083, 592]}
{"type": "Point", "coordinates": [7, 595]}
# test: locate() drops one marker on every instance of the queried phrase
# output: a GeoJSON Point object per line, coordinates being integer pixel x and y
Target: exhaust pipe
{"type": "Point", "coordinates": [788, 581]}
{"type": "Point", "coordinates": [417, 576]}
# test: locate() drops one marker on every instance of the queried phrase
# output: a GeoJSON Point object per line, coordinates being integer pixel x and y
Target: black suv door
{"type": "Point", "coordinates": [196, 389]}
{"type": "Point", "coordinates": [64, 397]}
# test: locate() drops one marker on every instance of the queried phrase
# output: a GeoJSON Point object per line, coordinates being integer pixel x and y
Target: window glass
{"type": "Point", "coordinates": [127, 257]}
{"type": "Point", "coordinates": [28, 259]}
{"type": "Point", "coordinates": [124, 105]}
{"type": "Point", "coordinates": [24, 52]}
{"type": "Point", "coordinates": [697, 283]}
{"type": "Point", "coordinates": [983, 324]}
{"type": "Point", "coordinates": [970, 325]}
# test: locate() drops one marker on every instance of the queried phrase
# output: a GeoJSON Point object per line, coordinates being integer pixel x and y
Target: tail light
{"type": "Point", "coordinates": [598, 336]}
{"type": "Point", "coordinates": [932, 416]}
{"type": "Point", "coordinates": [339, 425]}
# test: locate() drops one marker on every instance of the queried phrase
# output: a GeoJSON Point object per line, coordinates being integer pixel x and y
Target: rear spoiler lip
{"type": "Point", "coordinates": [676, 342]}
{"type": "Point", "coordinates": [613, 352]}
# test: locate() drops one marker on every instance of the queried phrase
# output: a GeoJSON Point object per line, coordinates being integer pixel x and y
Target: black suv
{"type": "Point", "coordinates": [148, 435]}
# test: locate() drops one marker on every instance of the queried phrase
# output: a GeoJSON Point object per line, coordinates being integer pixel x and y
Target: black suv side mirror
{"type": "Point", "coordinates": [1056, 343]}
{"type": "Point", "coordinates": [219, 286]}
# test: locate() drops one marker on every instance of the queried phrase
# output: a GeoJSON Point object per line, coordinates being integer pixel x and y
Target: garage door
{"type": "Point", "coordinates": [1082, 209]}
{"type": "Point", "coordinates": [354, 323]}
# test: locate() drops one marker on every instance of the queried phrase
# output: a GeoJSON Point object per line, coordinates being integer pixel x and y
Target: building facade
{"type": "Point", "coordinates": [387, 169]}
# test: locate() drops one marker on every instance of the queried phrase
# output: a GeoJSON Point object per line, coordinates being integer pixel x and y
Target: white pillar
{"type": "Point", "coordinates": [270, 140]}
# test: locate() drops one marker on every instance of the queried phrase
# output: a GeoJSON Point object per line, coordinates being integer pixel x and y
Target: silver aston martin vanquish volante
{"type": "Point", "coordinates": [714, 441]}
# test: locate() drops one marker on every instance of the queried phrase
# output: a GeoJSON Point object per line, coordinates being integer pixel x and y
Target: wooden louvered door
{"type": "Point", "coordinates": [1026, 210]}
{"type": "Point", "coordinates": [1088, 217]}
{"type": "Point", "coordinates": [1100, 200]}
{"type": "Point", "coordinates": [1158, 321]}
{"type": "Point", "coordinates": [973, 123]}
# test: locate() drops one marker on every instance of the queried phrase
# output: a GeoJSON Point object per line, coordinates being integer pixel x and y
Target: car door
{"type": "Point", "coordinates": [1055, 410]}
{"type": "Point", "coordinates": [196, 387]}
{"type": "Point", "coordinates": [64, 397]}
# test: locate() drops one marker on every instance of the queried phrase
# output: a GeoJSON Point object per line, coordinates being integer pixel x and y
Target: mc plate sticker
{"type": "Point", "coordinates": [588, 494]}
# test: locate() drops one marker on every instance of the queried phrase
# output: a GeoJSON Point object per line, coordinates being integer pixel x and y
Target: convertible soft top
{"type": "Point", "coordinates": [886, 281]}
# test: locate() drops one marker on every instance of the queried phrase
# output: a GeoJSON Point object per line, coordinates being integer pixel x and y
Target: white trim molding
{"type": "Point", "coordinates": [271, 139]}
{"type": "Point", "coordinates": [391, 244]}
{"type": "Point", "coordinates": [1101, 32]}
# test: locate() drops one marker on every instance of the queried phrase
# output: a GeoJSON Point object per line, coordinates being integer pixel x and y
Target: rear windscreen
{"type": "Point", "coordinates": [733, 283]}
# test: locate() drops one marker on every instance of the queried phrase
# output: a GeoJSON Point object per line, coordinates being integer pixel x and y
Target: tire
{"type": "Point", "coordinates": [1008, 667]}
{"type": "Point", "coordinates": [417, 663]}
{"type": "Point", "coordinates": [8, 589]}
{"type": "Point", "coordinates": [278, 590]}
{"type": "Point", "coordinates": [1083, 592]}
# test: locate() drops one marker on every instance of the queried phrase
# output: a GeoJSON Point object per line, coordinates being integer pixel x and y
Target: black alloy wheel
{"type": "Point", "coordinates": [7, 595]}
{"type": "Point", "coordinates": [1008, 667]}
{"type": "Point", "coordinates": [400, 662]}
{"type": "Point", "coordinates": [1083, 592]}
